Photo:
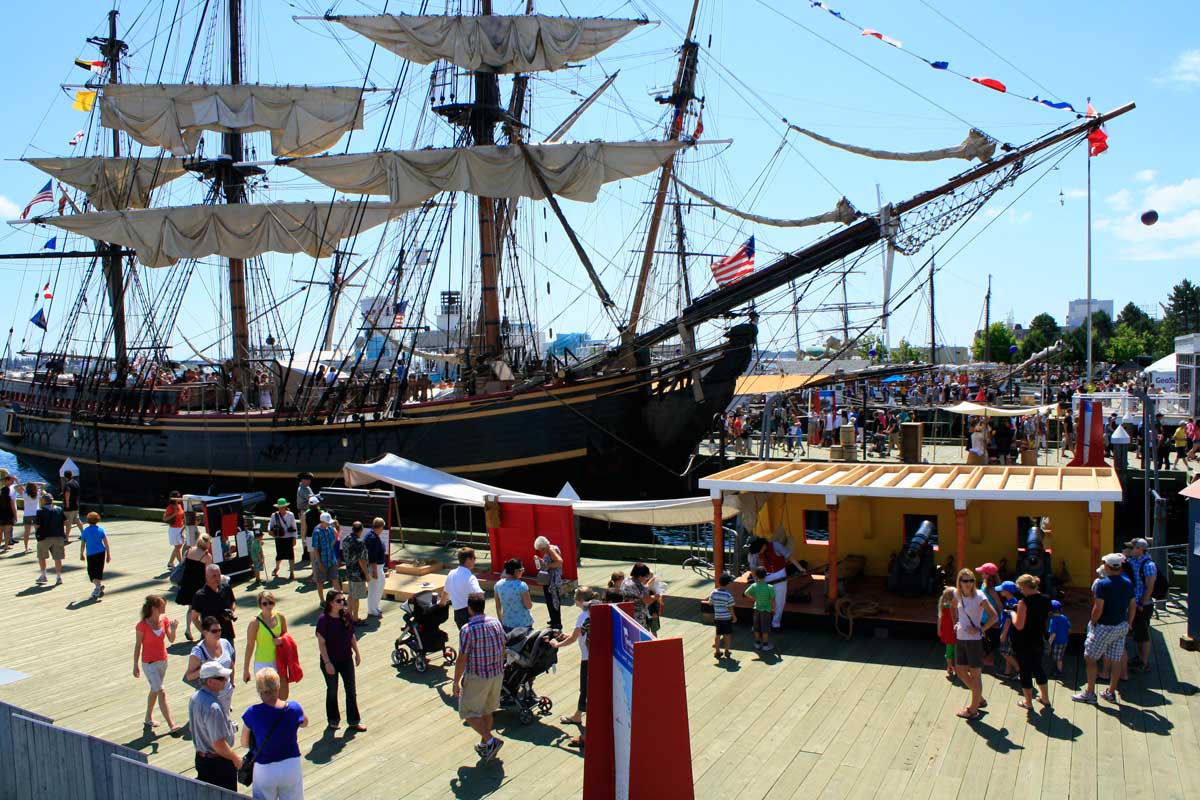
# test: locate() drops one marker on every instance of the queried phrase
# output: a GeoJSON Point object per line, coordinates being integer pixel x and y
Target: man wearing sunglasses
{"type": "Point", "coordinates": [212, 732]}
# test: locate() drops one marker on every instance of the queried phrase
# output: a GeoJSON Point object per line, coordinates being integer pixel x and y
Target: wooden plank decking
{"type": "Point", "coordinates": [821, 717]}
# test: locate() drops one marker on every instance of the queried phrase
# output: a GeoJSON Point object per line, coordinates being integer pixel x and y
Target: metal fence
{"type": "Point", "coordinates": [49, 761]}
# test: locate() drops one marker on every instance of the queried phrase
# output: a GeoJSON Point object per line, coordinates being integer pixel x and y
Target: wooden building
{"type": "Point", "coordinates": [826, 512]}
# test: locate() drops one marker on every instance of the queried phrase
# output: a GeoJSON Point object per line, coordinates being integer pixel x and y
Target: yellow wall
{"type": "Point", "coordinates": [874, 527]}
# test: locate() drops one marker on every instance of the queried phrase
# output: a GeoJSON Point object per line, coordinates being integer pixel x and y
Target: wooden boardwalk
{"type": "Point", "coordinates": [821, 717]}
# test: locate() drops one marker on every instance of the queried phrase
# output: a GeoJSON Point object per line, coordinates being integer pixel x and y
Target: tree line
{"type": "Point", "coordinates": [1133, 335]}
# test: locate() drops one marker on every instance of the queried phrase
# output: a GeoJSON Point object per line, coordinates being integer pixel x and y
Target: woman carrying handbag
{"type": "Point", "coordinates": [272, 764]}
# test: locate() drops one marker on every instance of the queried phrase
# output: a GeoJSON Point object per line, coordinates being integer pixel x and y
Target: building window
{"type": "Point", "coordinates": [816, 527]}
{"type": "Point", "coordinates": [912, 523]}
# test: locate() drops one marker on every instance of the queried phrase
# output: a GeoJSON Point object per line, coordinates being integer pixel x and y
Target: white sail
{"type": "Point", "coordinates": [162, 236]}
{"type": "Point", "coordinates": [574, 171]}
{"type": "Point", "coordinates": [303, 120]}
{"type": "Point", "coordinates": [112, 183]}
{"type": "Point", "coordinates": [491, 43]}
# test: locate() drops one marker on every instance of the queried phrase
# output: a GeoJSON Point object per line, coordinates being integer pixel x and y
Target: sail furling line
{"type": "Point", "coordinates": [573, 171]}
{"type": "Point", "coordinates": [112, 184]}
{"type": "Point", "coordinates": [977, 145]}
{"type": "Point", "coordinates": [303, 120]}
{"type": "Point", "coordinates": [844, 212]}
{"type": "Point", "coordinates": [162, 236]}
{"type": "Point", "coordinates": [491, 42]}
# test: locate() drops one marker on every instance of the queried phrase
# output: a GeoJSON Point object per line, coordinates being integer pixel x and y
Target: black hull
{"type": "Point", "coordinates": [610, 437]}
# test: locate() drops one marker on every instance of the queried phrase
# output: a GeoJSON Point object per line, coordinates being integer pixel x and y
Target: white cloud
{"type": "Point", "coordinates": [1185, 71]}
{"type": "Point", "coordinates": [1176, 235]}
{"type": "Point", "coordinates": [8, 209]}
{"type": "Point", "coordinates": [1145, 175]}
{"type": "Point", "coordinates": [1175, 197]}
{"type": "Point", "coordinates": [1122, 200]}
{"type": "Point", "coordinates": [1076, 194]}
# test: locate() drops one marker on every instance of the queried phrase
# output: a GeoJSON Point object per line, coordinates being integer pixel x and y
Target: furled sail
{"type": "Point", "coordinates": [491, 43]}
{"type": "Point", "coordinates": [303, 120]}
{"type": "Point", "coordinates": [843, 212]}
{"type": "Point", "coordinates": [976, 145]}
{"type": "Point", "coordinates": [113, 183]}
{"type": "Point", "coordinates": [162, 236]}
{"type": "Point", "coordinates": [574, 171]}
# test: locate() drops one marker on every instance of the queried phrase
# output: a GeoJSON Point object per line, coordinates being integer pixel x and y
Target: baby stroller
{"type": "Point", "coordinates": [422, 634]}
{"type": "Point", "coordinates": [529, 654]}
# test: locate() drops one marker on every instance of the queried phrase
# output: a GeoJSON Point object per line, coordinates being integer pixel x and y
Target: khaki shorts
{"type": "Point", "coordinates": [479, 696]}
{"type": "Point", "coordinates": [324, 574]}
{"type": "Point", "coordinates": [72, 518]}
{"type": "Point", "coordinates": [358, 590]}
{"type": "Point", "coordinates": [51, 548]}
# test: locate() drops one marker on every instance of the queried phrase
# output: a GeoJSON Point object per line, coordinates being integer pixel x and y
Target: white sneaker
{"type": "Point", "coordinates": [768, 646]}
{"type": "Point", "coordinates": [41, 578]}
{"type": "Point", "coordinates": [58, 581]}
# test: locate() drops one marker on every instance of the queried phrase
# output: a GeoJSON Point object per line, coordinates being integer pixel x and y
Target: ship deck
{"type": "Point", "coordinates": [820, 717]}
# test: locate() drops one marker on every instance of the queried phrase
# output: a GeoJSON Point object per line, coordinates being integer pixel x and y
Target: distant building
{"type": "Point", "coordinates": [1077, 311]}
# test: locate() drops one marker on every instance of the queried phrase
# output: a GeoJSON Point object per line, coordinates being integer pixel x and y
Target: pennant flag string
{"type": "Point", "coordinates": [943, 66]}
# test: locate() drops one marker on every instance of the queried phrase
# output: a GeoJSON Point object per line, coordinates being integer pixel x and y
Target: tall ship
{"type": "Point", "coordinates": [224, 333]}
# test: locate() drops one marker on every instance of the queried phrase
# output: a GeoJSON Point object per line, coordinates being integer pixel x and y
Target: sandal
{"type": "Point", "coordinates": [967, 713]}
{"type": "Point", "coordinates": [568, 721]}
{"type": "Point", "coordinates": [1025, 705]}
{"type": "Point", "coordinates": [575, 741]}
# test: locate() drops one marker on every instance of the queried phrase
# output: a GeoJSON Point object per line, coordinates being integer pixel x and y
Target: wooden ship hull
{"type": "Point", "coordinates": [631, 434]}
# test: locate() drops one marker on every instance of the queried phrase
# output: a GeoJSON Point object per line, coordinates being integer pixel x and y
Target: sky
{"type": "Point", "coordinates": [760, 61]}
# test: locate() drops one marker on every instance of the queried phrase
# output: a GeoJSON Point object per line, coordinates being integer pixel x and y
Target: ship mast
{"type": "Point", "coordinates": [234, 188]}
{"type": "Point", "coordinates": [681, 95]}
{"type": "Point", "coordinates": [111, 254]}
{"type": "Point", "coordinates": [483, 132]}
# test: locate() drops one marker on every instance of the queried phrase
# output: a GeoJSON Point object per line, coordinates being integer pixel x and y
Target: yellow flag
{"type": "Point", "coordinates": [84, 101]}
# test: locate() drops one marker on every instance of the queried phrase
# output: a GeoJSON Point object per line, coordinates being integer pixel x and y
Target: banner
{"type": "Point", "coordinates": [625, 633]}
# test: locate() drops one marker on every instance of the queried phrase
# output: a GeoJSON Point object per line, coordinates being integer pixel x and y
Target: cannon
{"type": "Point", "coordinates": [913, 572]}
{"type": "Point", "coordinates": [1034, 559]}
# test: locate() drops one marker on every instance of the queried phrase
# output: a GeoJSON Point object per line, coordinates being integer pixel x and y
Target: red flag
{"type": "Point", "coordinates": [699, 126]}
{"type": "Point", "coordinates": [1097, 139]}
{"type": "Point", "coordinates": [46, 293]}
{"type": "Point", "coordinates": [991, 83]}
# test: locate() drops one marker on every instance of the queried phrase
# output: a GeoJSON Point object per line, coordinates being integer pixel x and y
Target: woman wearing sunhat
{"type": "Point", "coordinates": [284, 530]}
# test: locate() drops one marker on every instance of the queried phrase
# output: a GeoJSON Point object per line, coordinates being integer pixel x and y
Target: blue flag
{"type": "Point", "coordinates": [52, 244]}
{"type": "Point", "coordinates": [39, 319]}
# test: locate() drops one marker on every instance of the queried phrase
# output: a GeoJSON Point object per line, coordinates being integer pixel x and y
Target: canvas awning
{"type": "Point", "coordinates": [981, 410]}
{"type": "Point", "coordinates": [414, 477]}
{"type": "Point", "coordinates": [772, 384]}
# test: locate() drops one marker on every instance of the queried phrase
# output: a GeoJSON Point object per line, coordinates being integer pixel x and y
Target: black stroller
{"type": "Point", "coordinates": [529, 654]}
{"type": "Point", "coordinates": [422, 633]}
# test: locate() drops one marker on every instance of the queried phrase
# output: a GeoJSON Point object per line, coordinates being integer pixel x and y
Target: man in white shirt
{"type": "Point", "coordinates": [460, 584]}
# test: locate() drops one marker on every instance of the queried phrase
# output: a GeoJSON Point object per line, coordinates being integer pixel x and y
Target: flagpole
{"type": "Point", "coordinates": [1088, 155]}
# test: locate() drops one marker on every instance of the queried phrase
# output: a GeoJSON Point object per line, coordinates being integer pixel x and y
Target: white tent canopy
{"type": "Point", "coordinates": [980, 410]}
{"type": "Point", "coordinates": [414, 477]}
{"type": "Point", "coordinates": [1162, 373]}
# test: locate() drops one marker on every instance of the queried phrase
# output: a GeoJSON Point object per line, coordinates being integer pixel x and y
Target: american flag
{"type": "Point", "coordinates": [46, 195]}
{"type": "Point", "coordinates": [733, 268]}
{"type": "Point", "coordinates": [398, 312]}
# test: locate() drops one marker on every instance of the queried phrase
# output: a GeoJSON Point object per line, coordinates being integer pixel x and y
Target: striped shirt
{"type": "Point", "coordinates": [722, 603]}
{"type": "Point", "coordinates": [481, 642]}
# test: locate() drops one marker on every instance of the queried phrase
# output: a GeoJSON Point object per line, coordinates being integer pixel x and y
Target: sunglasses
{"type": "Point", "coordinates": [213, 630]}
{"type": "Point", "coordinates": [267, 603]}
{"type": "Point", "coordinates": [339, 601]}
{"type": "Point", "coordinates": [966, 580]}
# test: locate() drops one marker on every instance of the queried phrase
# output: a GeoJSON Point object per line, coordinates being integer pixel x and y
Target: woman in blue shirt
{"type": "Point", "coordinates": [512, 597]}
{"type": "Point", "coordinates": [274, 724]}
{"type": "Point", "coordinates": [94, 549]}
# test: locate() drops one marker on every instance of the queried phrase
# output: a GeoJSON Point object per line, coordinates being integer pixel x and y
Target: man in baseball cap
{"type": "Point", "coordinates": [1113, 609]}
{"type": "Point", "coordinates": [1145, 573]}
{"type": "Point", "coordinates": [212, 732]}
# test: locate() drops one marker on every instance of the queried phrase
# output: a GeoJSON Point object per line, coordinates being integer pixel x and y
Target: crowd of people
{"type": "Point", "coordinates": [982, 621]}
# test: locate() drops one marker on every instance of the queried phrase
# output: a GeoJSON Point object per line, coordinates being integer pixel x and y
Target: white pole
{"type": "Point", "coordinates": [1089, 262]}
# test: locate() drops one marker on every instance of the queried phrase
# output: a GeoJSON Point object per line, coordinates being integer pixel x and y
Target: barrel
{"type": "Point", "coordinates": [847, 435]}
{"type": "Point", "coordinates": [835, 452]}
